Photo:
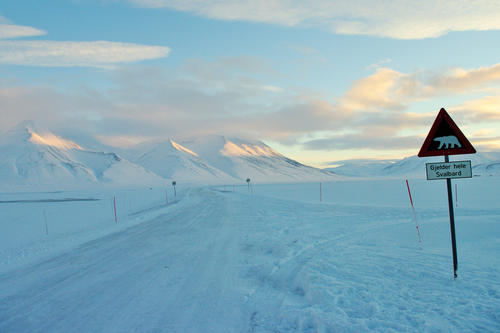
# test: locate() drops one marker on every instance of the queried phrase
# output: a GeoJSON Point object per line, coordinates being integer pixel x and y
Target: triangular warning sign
{"type": "Point", "coordinates": [445, 138]}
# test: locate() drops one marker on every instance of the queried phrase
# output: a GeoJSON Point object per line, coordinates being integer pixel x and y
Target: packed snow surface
{"type": "Point", "coordinates": [268, 258]}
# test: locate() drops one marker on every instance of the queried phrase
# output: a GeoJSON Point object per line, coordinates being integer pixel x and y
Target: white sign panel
{"type": "Point", "coordinates": [443, 170]}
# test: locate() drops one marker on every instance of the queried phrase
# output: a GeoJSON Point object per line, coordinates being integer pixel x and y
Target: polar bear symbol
{"type": "Point", "coordinates": [447, 142]}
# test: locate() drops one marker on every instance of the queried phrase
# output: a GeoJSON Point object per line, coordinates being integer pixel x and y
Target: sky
{"type": "Point", "coordinates": [317, 80]}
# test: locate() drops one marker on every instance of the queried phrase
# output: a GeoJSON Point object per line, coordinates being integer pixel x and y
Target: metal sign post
{"type": "Point", "coordinates": [452, 223]}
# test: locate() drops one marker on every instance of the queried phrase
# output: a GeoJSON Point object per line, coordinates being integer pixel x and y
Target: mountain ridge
{"type": "Point", "coordinates": [37, 157]}
{"type": "Point", "coordinates": [483, 164]}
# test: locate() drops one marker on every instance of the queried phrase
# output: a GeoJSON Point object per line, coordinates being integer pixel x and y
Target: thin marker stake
{"type": "Point", "coordinates": [114, 206]}
{"type": "Point", "coordinates": [414, 214]}
{"type": "Point", "coordinates": [46, 226]}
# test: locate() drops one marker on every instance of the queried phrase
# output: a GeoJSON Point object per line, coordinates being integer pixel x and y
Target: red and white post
{"type": "Point", "coordinates": [414, 214]}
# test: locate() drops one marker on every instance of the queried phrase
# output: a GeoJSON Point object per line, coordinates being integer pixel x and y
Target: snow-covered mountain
{"type": "Point", "coordinates": [486, 164]}
{"type": "Point", "coordinates": [243, 159]}
{"type": "Point", "coordinates": [483, 164]}
{"type": "Point", "coordinates": [31, 156]}
{"type": "Point", "coordinates": [171, 160]}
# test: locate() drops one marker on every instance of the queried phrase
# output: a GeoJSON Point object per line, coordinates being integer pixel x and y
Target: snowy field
{"type": "Point", "coordinates": [273, 259]}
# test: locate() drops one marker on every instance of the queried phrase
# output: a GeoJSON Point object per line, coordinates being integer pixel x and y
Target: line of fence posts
{"type": "Point", "coordinates": [115, 210]}
{"type": "Point", "coordinates": [113, 206]}
{"type": "Point", "coordinates": [251, 190]}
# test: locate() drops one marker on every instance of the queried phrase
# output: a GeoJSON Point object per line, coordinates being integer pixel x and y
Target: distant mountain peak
{"type": "Point", "coordinates": [241, 158]}
{"type": "Point", "coordinates": [50, 139]}
{"type": "Point", "coordinates": [28, 132]}
{"type": "Point", "coordinates": [483, 164]}
{"type": "Point", "coordinates": [33, 157]}
{"type": "Point", "coordinates": [239, 148]}
{"type": "Point", "coordinates": [182, 148]}
{"type": "Point", "coordinates": [211, 144]}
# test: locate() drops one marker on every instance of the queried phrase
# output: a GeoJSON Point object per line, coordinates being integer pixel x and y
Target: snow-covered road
{"type": "Point", "coordinates": [229, 262]}
{"type": "Point", "coordinates": [177, 272]}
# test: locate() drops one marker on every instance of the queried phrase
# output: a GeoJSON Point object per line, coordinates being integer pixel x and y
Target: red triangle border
{"type": "Point", "coordinates": [444, 116]}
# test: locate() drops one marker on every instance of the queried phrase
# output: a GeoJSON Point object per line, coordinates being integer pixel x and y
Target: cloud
{"type": "Point", "coordinates": [387, 89]}
{"type": "Point", "coordinates": [202, 97]}
{"type": "Point", "coordinates": [41, 104]}
{"type": "Point", "coordinates": [381, 90]}
{"type": "Point", "coordinates": [376, 131]}
{"type": "Point", "coordinates": [405, 19]}
{"type": "Point", "coordinates": [490, 143]}
{"type": "Point", "coordinates": [64, 54]}
{"type": "Point", "coordinates": [379, 64]}
{"type": "Point", "coordinates": [16, 31]}
{"type": "Point", "coordinates": [8, 30]}
{"type": "Point", "coordinates": [363, 141]}
{"type": "Point", "coordinates": [225, 86]}
{"type": "Point", "coordinates": [48, 53]}
{"type": "Point", "coordinates": [458, 80]}
{"type": "Point", "coordinates": [238, 96]}
{"type": "Point", "coordinates": [482, 110]}
{"type": "Point", "coordinates": [304, 50]}
{"type": "Point", "coordinates": [123, 141]}
{"type": "Point", "coordinates": [379, 105]}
